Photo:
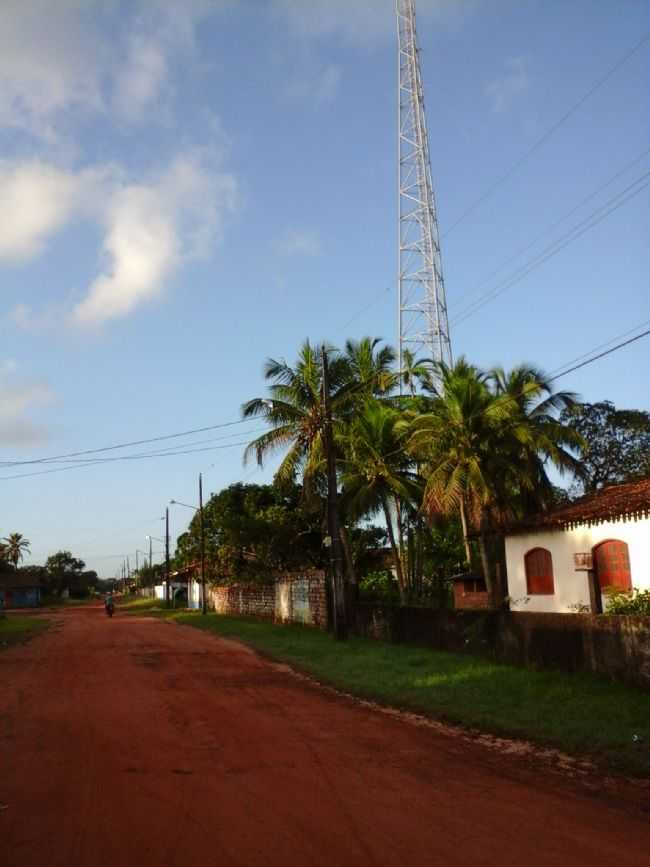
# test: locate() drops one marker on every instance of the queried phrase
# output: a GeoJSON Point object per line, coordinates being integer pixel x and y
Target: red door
{"type": "Point", "coordinates": [612, 561]}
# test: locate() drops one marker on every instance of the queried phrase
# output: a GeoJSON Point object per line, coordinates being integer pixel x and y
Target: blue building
{"type": "Point", "coordinates": [19, 591]}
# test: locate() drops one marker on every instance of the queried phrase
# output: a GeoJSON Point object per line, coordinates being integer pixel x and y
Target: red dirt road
{"type": "Point", "coordinates": [134, 742]}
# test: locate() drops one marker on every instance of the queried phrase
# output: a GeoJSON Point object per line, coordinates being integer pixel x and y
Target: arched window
{"type": "Point", "coordinates": [612, 565]}
{"type": "Point", "coordinates": [539, 572]}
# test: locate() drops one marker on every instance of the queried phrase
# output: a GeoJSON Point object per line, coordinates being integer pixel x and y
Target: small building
{"type": "Point", "coordinates": [470, 591]}
{"type": "Point", "coordinates": [19, 591]}
{"type": "Point", "coordinates": [564, 560]}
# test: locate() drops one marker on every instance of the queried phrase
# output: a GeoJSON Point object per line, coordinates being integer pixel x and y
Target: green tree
{"type": "Point", "coordinates": [64, 570]}
{"type": "Point", "coordinates": [253, 531]}
{"type": "Point", "coordinates": [616, 444]}
{"type": "Point", "coordinates": [414, 372]}
{"type": "Point", "coordinates": [15, 546]}
{"type": "Point", "coordinates": [485, 445]}
{"type": "Point", "coordinates": [295, 412]}
{"type": "Point", "coordinates": [378, 475]}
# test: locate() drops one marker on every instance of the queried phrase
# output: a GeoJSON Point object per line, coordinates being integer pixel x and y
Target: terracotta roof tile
{"type": "Point", "coordinates": [614, 503]}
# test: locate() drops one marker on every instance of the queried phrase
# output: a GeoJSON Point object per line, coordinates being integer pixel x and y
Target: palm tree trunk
{"type": "Point", "coordinates": [395, 549]}
{"type": "Point", "coordinates": [403, 553]}
{"type": "Point", "coordinates": [347, 553]}
{"type": "Point", "coordinates": [463, 521]}
{"type": "Point", "coordinates": [492, 588]}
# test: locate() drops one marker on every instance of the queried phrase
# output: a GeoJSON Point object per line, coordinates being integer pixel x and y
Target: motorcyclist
{"type": "Point", "coordinates": [109, 604]}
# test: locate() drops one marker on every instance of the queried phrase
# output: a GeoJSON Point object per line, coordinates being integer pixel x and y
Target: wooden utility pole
{"type": "Point", "coordinates": [204, 607]}
{"type": "Point", "coordinates": [338, 589]}
{"type": "Point", "coordinates": [167, 555]}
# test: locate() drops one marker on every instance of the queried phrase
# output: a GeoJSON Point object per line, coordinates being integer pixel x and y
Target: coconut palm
{"type": "Point", "coordinates": [377, 475]}
{"type": "Point", "coordinates": [295, 411]}
{"type": "Point", "coordinates": [15, 547]}
{"type": "Point", "coordinates": [535, 436]}
{"type": "Point", "coordinates": [370, 366]}
{"type": "Point", "coordinates": [486, 442]}
{"type": "Point", "coordinates": [415, 371]}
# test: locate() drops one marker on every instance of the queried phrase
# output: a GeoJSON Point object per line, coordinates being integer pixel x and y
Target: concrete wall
{"type": "Point", "coordinates": [294, 598]}
{"type": "Point", "coordinates": [617, 647]}
{"type": "Point", "coordinates": [571, 587]}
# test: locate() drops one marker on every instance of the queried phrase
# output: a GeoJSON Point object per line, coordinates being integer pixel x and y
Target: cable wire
{"type": "Point", "coordinates": [549, 132]}
{"type": "Point", "coordinates": [555, 247]}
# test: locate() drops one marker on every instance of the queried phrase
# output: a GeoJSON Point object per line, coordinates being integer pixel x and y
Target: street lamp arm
{"type": "Point", "coordinates": [187, 505]}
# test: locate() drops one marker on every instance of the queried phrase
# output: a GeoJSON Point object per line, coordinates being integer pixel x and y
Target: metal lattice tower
{"type": "Point", "coordinates": [423, 325]}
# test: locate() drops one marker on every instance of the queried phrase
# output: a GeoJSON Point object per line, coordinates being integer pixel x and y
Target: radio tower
{"type": "Point", "coordinates": [423, 325]}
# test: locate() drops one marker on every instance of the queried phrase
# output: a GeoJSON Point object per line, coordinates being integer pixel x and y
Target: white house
{"type": "Point", "coordinates": [562, 561]}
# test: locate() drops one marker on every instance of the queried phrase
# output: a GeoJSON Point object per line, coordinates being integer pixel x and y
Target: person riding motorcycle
{"type": "Point", "coordinates": [109, 604]}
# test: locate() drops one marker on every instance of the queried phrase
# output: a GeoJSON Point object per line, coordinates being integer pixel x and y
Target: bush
{"type": "Point", "coordinates": [379, 586]}
{"type": "Point", "coordinates": [628, 602]}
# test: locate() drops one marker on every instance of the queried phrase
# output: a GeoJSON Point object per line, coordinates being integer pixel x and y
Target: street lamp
{"type": "Point", "coordinates": [198, 509]}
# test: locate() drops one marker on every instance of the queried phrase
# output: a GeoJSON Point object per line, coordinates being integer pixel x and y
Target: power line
{"type": "Point", "coordinates": [553, 225]}
{"type": "Point", "coordinates": [125, 445]}
{"type": "Point", "coordinates": [101, 461]}
{"type": "Point", "coordinates": [549, 132]}
{"type": "Point", "coordinates": [600, 355]}
{"type": "Point", "coordinates": [600, 346]}
{"type": "Point", "coordinates": [169, 450]}
{"type": "Point", "coordinates": [555, 247]}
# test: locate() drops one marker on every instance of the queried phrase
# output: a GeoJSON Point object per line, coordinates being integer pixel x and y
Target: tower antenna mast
{"type": "Point", "coordinates": [423, 324]}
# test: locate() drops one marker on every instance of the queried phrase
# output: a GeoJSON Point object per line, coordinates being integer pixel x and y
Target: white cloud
{"type": "Point", "coordinates": [142, 79]}
{"type": "Point", "coordinates": [18, 399]}
{"type": "Point", "coordinates": [318, 88]}
{"type": "Point", "coordinates": [299, 243]}
{"type": "Point", "coordinates": [503, 91]}
{"type": "Point", "coordinates": [36, 200]}
{"type": "Point", "coordinates": [356, 20]}
{"type": "Point", "coordinates": [151, 229]}
{"type": "Point", "coordinates": [49, 63]}
{"type": "Point", "coordinates": [55, 63]}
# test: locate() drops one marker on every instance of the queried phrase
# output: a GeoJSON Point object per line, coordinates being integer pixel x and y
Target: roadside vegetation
{"type": "Point", "coordinates": [16, 630]}
{"type": "Point", "coordinates": [577, 713]}
{"type": "Point", "coordinates": [443, 458]}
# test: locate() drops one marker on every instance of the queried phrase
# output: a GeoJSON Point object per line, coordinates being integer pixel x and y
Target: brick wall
{"type": "Point", "coordinates": [616, 647]}
{"type": "Point", "coordinates": [468, 600]}
{"type": "Point", "coordinates": [299, 597]}
{"type": "Point", "coordinates": [254, 600]}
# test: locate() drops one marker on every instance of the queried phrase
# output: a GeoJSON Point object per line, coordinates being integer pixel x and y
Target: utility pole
{"type": "Point", "coordinates": [204, 608]}
{"type": "Point", "coordinates": [422, 305]}
{"type": "Point", "coordinates": [167, 555]}
{"type": "Point", "coordinates": [338, 590]}
{"type": "Point", "coordinates": [151, 577]}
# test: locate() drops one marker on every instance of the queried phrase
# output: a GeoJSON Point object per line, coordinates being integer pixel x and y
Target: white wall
{"type": "Point", "coordinates": [571, 587]}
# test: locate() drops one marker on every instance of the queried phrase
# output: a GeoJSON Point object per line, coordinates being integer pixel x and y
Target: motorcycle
{"type": "Point", "coordinates": [109, 609]}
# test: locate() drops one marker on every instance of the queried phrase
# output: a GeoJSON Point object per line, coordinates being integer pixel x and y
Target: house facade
{"type": "Point", "coordinates": [19, 591]}
{"type": "Point", "coordinates": [564, 561]}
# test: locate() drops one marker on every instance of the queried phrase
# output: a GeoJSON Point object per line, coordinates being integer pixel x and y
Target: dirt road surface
{"type": "Point", "coordinates": [133, 742]}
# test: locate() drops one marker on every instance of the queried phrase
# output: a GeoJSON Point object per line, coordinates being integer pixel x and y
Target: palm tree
{"type": "Point", "coordinates": [377, 472]}
{"type": "Point", "coordinates": [295, 411]}
{"type": "Point", "coordinates": [535, 434]}
{"type": "Point", "coordinates": [486, 442]}
{"type": "Point", "coordinates": [415, 370]}
{"type": "Point", "coordinates": [15, 548]}
{"type": "Point", "coordinates": [370, 366]}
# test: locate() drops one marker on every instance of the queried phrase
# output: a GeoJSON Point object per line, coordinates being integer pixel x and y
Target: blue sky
{"type": "Point", "coordinates": [188, 188]}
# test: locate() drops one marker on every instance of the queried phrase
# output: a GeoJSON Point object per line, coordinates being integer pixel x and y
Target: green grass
{"type": "Point", "coordinates": [15, 629]}
{"type": "Point", "coordinates": [578, 713]}
{"type": "Point", "coordinates": [136, 606]}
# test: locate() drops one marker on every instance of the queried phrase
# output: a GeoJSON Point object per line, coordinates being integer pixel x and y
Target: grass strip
{"type": "Point", "coordinates": [15, 629]}
{"type": "Point", "coordinates": [578, 713]}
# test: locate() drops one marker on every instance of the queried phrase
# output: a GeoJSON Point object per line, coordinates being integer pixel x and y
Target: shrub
{"type": "Point", "coordinates": [380, 585]}
{"type": "Point", "coordinates": [628, 602]}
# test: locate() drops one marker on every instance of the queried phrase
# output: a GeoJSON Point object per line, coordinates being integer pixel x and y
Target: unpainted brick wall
{"type": "Point", "coordinates": [293, 598]}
